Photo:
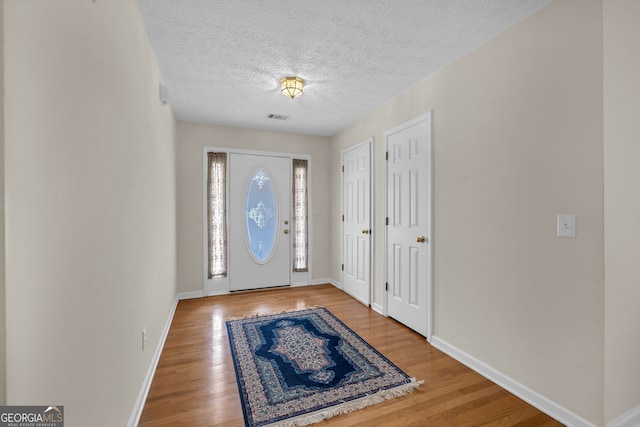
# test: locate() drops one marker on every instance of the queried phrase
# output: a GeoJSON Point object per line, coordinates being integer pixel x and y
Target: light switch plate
{"type": "Point", "coordinates": [566, 226]}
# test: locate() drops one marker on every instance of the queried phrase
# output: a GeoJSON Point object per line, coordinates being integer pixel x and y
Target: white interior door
{"type": "Point", "coordinates": [259, 223]}
{"type": "Point", "coordinates": [356, 235]}
{"type": "Point", "coordinates": [408, 245]}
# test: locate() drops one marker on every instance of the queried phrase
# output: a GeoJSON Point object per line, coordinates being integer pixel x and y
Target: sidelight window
{"type": "Point", "coordinates": [300, 216]}
{"type": "Point", "coordinates": [217, 214]}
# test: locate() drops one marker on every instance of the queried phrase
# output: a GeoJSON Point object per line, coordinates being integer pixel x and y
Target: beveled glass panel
{"type": "Point", "coordinates": [262, 215]}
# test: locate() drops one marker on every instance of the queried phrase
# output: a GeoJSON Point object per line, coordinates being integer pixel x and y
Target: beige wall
{"type": "Point", "coordinates": [90, 206]}
{"type": "Point", "coordinates": [517, 134]}
{"type": "Point", "coordinates": [3, 323]}
{"type": "Point", "coordinates": [191, 138]}
{"type": "Point", "coordinates": [622, 205]}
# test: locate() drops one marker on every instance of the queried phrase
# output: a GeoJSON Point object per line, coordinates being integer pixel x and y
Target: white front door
{"type": "Point", "coordinates": [259, 221]}
{"type": "Point", "coordinates": [356, 205]}
{"type": "Point", "coordinates": [408, 247]}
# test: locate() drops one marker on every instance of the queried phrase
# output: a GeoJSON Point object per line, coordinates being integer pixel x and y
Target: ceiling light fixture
{"type": "Point", "coordinates": [291, 86]}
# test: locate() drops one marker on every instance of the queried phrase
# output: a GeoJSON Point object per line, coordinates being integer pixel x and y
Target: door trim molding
{"type": "Point", "coordinates": [221, 286]}
{"type": "Point", "coordinates": [426, 117]}
{"type": "Point", "coordinates": [370, 142]}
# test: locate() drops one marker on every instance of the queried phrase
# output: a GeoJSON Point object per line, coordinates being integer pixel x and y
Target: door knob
{"type": "Point", "coordinates": [365, 231]}
{"type": "Point", "coordinates": [421, 239]}
{"type": "Point", "coordinates": [286, 231]}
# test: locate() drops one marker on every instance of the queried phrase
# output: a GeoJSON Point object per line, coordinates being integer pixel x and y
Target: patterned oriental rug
{"type": "Point", "coordinates": [301, 367]}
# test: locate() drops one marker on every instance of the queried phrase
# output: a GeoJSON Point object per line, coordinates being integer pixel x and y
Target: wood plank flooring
{"type": "Point", "coordinates": [195, 383]}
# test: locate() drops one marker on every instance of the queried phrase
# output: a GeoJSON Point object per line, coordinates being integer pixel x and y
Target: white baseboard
{"type": "Point", "coordinates": [523, 392]}
{"type": "Point", "coordinates": [377, 308]}
{"type": "Point", "coordinates": [324, 281]}
{"type": "Point", "coordinates": [331, 281]}
{"type": "Point", "coordinates": [190, 295]}
{"type": "Point", "coordinates": [201, 294]}
{"type": "Point", "coordinates": [631, 418]}
{"type": "Point", "coordinates": [146, 384]}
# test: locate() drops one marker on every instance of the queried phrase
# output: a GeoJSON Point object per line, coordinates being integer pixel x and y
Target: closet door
{"type": "Point", "coordinates": [408, 248]}
{"type": "Point", "coordinates": [356, 235]}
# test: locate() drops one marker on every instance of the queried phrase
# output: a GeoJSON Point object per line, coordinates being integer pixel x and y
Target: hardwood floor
{"type": "Point", "coordinates": [195, 383]}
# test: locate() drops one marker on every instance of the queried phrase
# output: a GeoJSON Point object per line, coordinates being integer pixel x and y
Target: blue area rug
{"type": "Point", "coordinates": [300, 367]}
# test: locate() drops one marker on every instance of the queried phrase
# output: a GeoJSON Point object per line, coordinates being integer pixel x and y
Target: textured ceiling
{"type": "Point", "coordinates": [222, 60]}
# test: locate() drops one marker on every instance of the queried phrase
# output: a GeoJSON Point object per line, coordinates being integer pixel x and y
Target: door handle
{"type": "Point", "coordinates": [365, 231]}
{"type": "Point", "coordinates": [286, 231]}
{"type": "Point", "coordinates": [421, 239]}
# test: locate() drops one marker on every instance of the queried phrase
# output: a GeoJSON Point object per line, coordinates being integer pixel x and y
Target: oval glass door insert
{"type": "Point", "coordinates": [262, 215]}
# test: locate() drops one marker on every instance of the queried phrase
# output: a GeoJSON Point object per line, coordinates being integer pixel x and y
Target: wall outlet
{"type": "Point", "coordinates": [144, 338]}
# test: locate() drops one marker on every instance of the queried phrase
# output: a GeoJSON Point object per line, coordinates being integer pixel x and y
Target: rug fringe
{"type": "Point", "coordinates": [258, 314]}
{"type": "Point", "coordinates": [345, 408]}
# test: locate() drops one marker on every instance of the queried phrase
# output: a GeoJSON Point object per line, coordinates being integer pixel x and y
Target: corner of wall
{"type": "Point", "coordinates": [621, 209]}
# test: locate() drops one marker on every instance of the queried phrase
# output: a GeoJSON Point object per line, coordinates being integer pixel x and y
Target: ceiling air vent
{"type": "Point", "coordinates": [277, 117]}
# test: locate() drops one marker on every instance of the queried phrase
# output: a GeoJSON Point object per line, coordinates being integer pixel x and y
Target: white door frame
{"type": "Point", "coordinates": [370, 143]}
{"type": "Point", "coordinates": [404, 125]}
{"type": "Point", "coordinates": [220, 286]}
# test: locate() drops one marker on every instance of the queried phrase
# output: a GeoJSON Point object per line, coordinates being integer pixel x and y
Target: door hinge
{"type": "Point", "coordinates": [342, 267]}
{"type": "Point", "coordinates": [387, 221]}
{"type": "Point", "coordinates": [343, 168]}
{"type": "Point", "coordinates": [342, 218]}
{"type": "Point", "coordinates": [386, 155]}
{"type": "Point", "coordinates": [386, 286]}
